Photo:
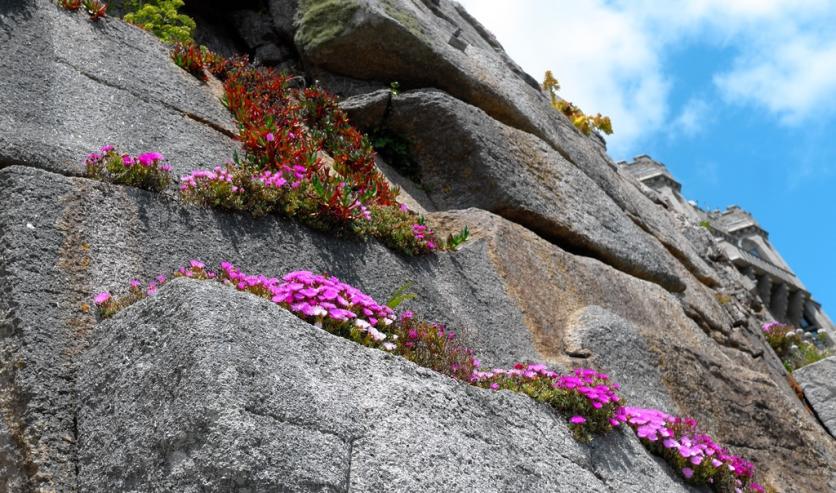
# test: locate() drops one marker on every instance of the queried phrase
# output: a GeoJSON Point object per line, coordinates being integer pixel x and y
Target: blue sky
{"type": "Point", "coordinates": [736, 97]}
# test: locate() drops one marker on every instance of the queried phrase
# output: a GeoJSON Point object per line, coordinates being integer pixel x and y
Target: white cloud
{"type": "Point", "coordinates": [609, 55]}
{"type": "Point", "coordinates": [692, 119]}
{"type": "Point", "coordinates": [797, 82]}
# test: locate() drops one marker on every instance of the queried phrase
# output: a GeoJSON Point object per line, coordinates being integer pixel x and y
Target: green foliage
{"type": "Point", "coordinates": [583, 122]}
{"type": "Point", "coordinates": [400, 296]}
{"type": "Point", "coordinates": [163, 19]}
{"type": "Point", "coordinates": [455, 240]}
{"type": "Point", "coordinates": [705, 224]}
{"type": "Point", "coordinates": [395, 88]}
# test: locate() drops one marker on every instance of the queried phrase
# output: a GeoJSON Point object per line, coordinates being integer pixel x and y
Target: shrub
{"type": "Point", "coordinates": [790, 346]}
{"type": "Point", "coordinates": [190, 58]}
{"type": "Point", "coordinates": [695, 455]}
{"type": "Point", "coordinates": [163, 19]}
{"type": "Point", "coordinates": [95, 9]}
{"type": "Point", "coordinates": [587, 396]}
{"type": "Point", "coordinates": [148, 171]}
{"type": "Point", "coordinates": [71, 5]}
{"type": "Point", "coordinates": [579, 119]}
{"type": "Point", "coordinates": [432, 345]}
{"type": "Point", "coordinates": [286, 132]}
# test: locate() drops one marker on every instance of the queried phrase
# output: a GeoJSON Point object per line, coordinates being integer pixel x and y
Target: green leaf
{"type": "Point", "coordinates": [400, 296]}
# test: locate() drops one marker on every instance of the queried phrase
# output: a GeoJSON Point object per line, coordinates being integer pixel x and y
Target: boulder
{"type": "Point", "coordinates": [231, 392]}
{"type": "Point", "coordinates": [71, 86]}
{"type": "Point", "coordinates": [819, 383]}
{"type": "Point", "coordinates": [468, 159]}
{"type": "Point", "coordinates": [437, 44]}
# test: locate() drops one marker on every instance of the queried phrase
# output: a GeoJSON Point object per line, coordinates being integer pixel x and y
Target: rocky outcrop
{"type": "Point", "coordinates": [468, 159]}
{"type": "Point", "coordinates": [514, 295]}
{"type": "Point", "coordinates": [819, 383]}
{"type": "Point", "coordinates": [71, 86]}
{"type": "Point", "coordinates": [436, 44]}
{"type": "Point", "coordinates": [229, 392]}
{"type": "Point", "coordinates": [570, 263]}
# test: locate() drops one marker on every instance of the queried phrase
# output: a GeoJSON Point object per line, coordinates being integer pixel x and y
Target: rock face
{"type": "Point", "coordinates": [819, 383]}
{"type": "Point", "coordinates": [71, 86]}
{"type": "Point", "coordinates": [230, 393]}
{"type": "Point", "coordinates": [571, 263]}
{"type": "Point", "coordinates": [471, 160]}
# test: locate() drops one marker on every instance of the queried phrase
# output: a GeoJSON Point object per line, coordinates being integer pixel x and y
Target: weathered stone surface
{"type": "Point", "coordinates": [468, 159]}
{"type": "Point", "coordinates": [741, 400]}
{"type": "Point", "coordinates": [614, 344]}
{"type": "Point", "coordinates": [283, 13]}
{"type": "Point", "coordinates": [819, 383]}
{"type": "Point", "coordinates": [70, 86]}
{"type": "Point", "coordinates": [233, 392]}
{"type": "Point", "coordinates": [411, 42]}
{"type": "Point", "coordinates": [87, 236]}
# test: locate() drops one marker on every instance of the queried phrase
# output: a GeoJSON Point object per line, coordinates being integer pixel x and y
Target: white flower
{"type": "Point", "coordinates": [389, 346]}
{"type": "Point", "coordinates": [376, 334]}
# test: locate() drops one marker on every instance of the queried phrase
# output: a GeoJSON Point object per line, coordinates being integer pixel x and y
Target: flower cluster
{"type": "Point", "coordinates": [694, 454]}
{"type": "Point", "coordinates": [286, 132]}
{"type": "Point", "coordinates": [587, 396]}
{"type": "Point", "coordinates": [94, 8]}
{"type": "Point", "coordinates": [433, 345]}
{"type": "Point", "coordinates": [589, 399]}
{"type": "Point", "coordinates": [324, 301]}
{"type": "Point", "coordinates": [108, 305]}
{"type": "Point", "coordinates": [148, 171]}
{"type": "Point", "coordinates": [796, 347]}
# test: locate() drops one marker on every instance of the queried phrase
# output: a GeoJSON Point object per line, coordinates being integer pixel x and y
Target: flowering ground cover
{"type": "Point", "coordinates": [148, 171]}
{"type": "Point", "coordinates": [589, 400]}
{"type": "Point", "coordinates": [795, 347]}
{"type": "Point", "coordinates": [695, 455]}
{"type": "Point", "coordinates": [301, 159]}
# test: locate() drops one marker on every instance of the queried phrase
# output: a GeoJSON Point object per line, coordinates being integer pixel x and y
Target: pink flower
{"type": "Point", "coordinates": [102, 298]}
{"type": "Point", "coordinates": [106, 149]}
{"type": "Point", "coordinates": [687, 472]}
{"type": "Point", "coordinates": [404, 208]}
{"type": "Point", "coordinates": [270, 137]}
{"type": "Point", "coordinates": [577, 420]}
{"type": "Point", "coordinates": [148, 158]}
{"type": "Point", "coordinates": [166, 168]}
{"type": "Point", "coordinates": [128, 161]}
{"type": "Point", "coordinates": [135, 284]}
{"type": "Point", "coordinates": [494, 386]}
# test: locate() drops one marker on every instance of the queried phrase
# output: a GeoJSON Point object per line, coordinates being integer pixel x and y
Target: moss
{"type": "Point", "coordinates": [404, 18]}
{"type": "Point", "coordinates": [323, 20]}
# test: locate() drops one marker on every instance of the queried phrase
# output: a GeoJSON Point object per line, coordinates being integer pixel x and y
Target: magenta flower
{"type": "Point", "coordinates": [128, 161]}
{"type": "Point", "coordinates": [107, 148]}
{"type": "Point", "coordinates": [135, 284]}
{"type": "Point", "coordinates": [270, 137]}
{"type": "Point", "coordinates": [102, 298]}
{"type": "Point", "coordinates": [577, 420]}
{"type": "Point", "coordinates": [148, 158]}
{"type": "Point", "coordinates": [687, 472]}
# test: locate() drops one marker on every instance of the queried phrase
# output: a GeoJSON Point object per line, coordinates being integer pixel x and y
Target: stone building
{"type": "Point", "coordinates": [746, 244]}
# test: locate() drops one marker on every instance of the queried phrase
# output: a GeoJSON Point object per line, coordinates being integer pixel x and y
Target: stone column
{"type": "Point", "coordinates": [765, 288]}
{"type": "Point", "coordinates": [779, 301]}
{"type": "Point", "coordinates": [796, 307]}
